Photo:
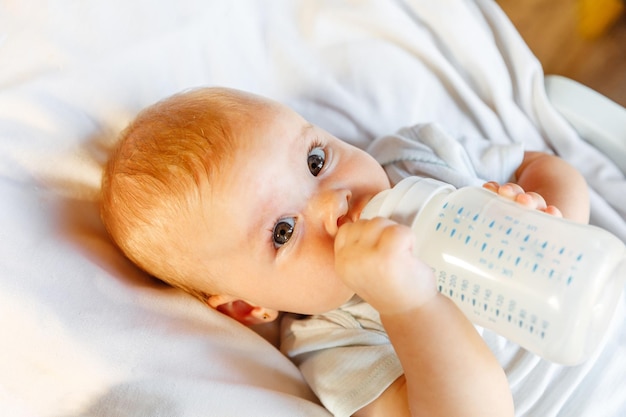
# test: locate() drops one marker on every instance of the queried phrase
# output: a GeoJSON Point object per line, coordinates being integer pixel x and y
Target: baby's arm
{"type": "Point", "coordinates": [550, 184]}
{"type": "Point", "coordinates": [449, 371]}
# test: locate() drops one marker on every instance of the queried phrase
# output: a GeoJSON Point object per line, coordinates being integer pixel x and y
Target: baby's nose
{"type": "Point", "coordinates": [334, 209]}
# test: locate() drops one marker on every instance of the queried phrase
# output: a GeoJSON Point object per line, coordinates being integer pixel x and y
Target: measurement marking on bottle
{"type": "Point", "coordinates": [516, 248]}
{"type": "Point", "coordinates": [512, 249]}
{"type": "Point", "coordinates": [481, 305]}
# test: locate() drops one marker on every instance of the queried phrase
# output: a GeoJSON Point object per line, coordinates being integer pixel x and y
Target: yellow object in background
{"type": "Point", "coordinates": [596, 16]}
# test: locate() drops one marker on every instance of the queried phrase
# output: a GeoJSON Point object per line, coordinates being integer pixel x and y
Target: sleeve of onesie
{"type": "Point", "coordinates": [347, 360]}
{"type": "Point", "coordinates": [428, 150]}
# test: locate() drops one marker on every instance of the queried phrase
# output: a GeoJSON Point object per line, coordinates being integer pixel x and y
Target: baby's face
{"type": "Point", "coordinates": [269, 224]}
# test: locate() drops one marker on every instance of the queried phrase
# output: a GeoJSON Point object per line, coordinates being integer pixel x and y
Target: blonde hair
{"type": "Point", "coordinates": [159, 170]}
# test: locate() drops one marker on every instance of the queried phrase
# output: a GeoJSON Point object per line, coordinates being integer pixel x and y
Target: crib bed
{"type": "Point", "coordinates": [85, 333]}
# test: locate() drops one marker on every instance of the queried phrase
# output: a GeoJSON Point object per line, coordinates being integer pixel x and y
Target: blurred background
{"type": "Point", "coordinates": [581, 39]}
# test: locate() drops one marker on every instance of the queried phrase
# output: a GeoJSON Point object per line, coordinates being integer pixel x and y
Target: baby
{"type": "Point", "coordinates": [241, 202]}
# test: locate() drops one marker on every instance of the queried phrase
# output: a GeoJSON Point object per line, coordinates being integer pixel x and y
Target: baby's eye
{"type": "Point", "coordinates": [283, 231]}
{"type": "Point", "coordinates": [316, 159]}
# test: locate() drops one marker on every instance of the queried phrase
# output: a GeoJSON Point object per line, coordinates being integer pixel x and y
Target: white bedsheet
{"type": "Point", "coordinates": [87, 334]}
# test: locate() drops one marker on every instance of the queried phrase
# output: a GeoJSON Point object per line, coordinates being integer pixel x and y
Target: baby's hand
{"type": "Point", "coordinates": [375, 259]}
{"type": "Point", "coordinates": [516, 193]}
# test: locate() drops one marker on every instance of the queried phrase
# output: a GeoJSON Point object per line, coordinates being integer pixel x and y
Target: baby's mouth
{"type": "Point", "coordinates": [353, 215]}
{"type": "Point", "coordinates": [343, 220]}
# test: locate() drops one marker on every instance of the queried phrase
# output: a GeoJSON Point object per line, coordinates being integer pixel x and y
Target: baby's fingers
{"type": "Point", "coordinates": [531, 200]}
{"type": "Point", "coordinates": [511, 191]}
{"type": "Point", "coordinates": [553, 211]}
{"type": "Point", "coordinates": [362, 232]}
{"type": "Point", "coordinates": [514, 192]}
{"type": "Point", "coordinates": [536, 201]}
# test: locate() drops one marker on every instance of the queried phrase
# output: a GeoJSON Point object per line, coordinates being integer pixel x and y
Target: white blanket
{"type": "Point", "coordinates": [87, 334]}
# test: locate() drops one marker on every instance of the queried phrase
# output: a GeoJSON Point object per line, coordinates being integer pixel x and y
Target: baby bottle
{"type": "Point", "coordinates": [546, 283]}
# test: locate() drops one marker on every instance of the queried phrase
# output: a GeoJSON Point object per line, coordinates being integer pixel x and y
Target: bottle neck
{"type": "Point", "coordinates": [406, 199]}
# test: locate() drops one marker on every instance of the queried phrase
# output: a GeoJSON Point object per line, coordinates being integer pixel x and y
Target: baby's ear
{"type": "Point", "coordinates": [241, 310]}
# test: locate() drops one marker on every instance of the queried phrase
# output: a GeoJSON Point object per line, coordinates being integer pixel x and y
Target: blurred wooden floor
{"type": "Point", "coordinates": [549, 27]}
